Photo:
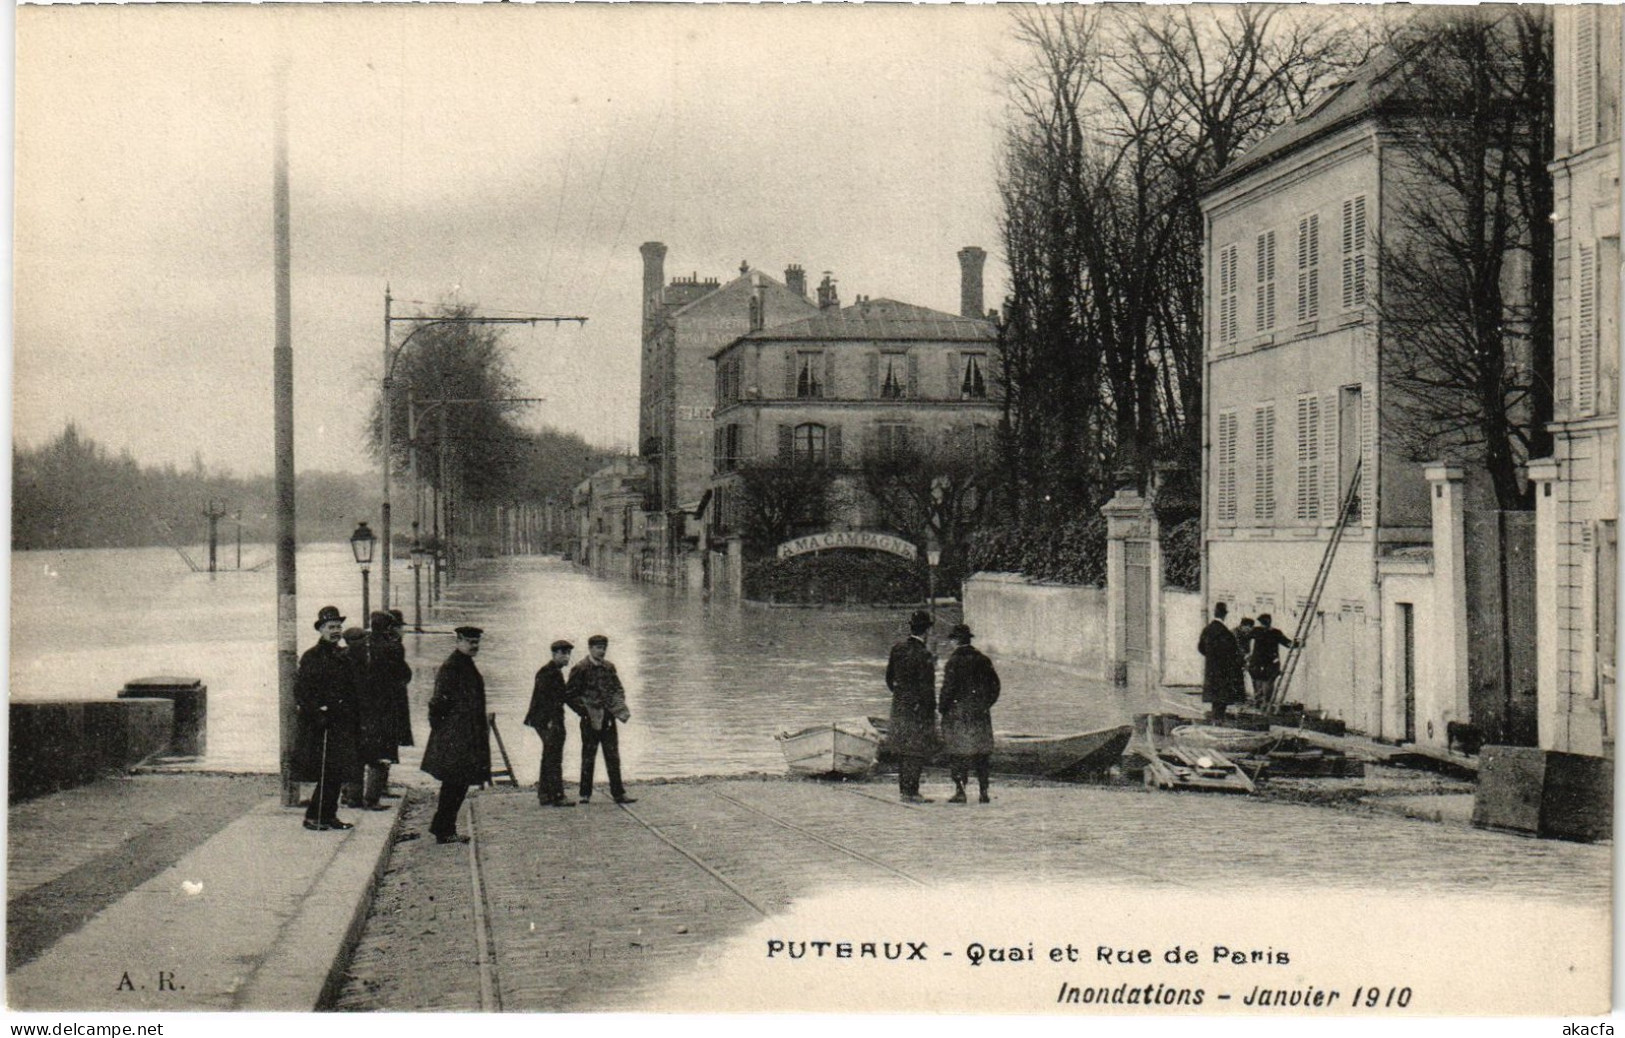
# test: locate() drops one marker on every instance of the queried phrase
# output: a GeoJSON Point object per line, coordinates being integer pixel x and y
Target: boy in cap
{"type": "Point", "coordinates": [595, 692]}
{"type": "Point", "coordinates": [459, 750]}
{"type": "Point", "coordinates": [546, 715]}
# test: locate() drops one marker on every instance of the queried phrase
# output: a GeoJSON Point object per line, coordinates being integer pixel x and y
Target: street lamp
{"type": "Point", "coordinates": [361, 543]}
{"type": "Point", "coordinates": [392, 353]}
{"type": "Point", "coordinates": [419, 554]}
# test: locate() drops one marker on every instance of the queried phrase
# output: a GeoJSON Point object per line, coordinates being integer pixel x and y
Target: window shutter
{"type": "Point", "coordinates": [1331, 481]}
{"type": "Point", "coordinates": [790, 374]}
{"type": "Point", "coordinates": [1585, 332]}
{"type": "Point", "coordinates": [786, 446]}
{"type": "Point", "coordinates": [1264, 462]}
{"type": "Point", "coordinates": [833, 443]}
{"type": "Point", "coordinates": [1585, 76]}
{"type": "Point", "coordinates": [955, 376]}
{"type": "Point", "coordinates": [1368, 460]}
{"type": "Point", "coordinates": [913, 374]}
{"type": "Point", "coordinates": [1307, 497]}
{"type": "Point", "coordinates": [874, 376]}
{"type": "Point", "coordinates": [829, 375]}
{"type": "Point", "coordinates": [1264, 303]}
{"type": "Point", "coordinates": [1309, 267]}
{"type": "Point", "coordinates": [1354, 252]}
{"type": "Point", "coordinates": [716, 450]}
{"type": "Point", "coordinates": [1226, 504]}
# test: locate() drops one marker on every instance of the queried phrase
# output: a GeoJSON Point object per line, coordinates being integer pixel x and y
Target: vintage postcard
{"type": "Point", "coordinates": [1095, 513]}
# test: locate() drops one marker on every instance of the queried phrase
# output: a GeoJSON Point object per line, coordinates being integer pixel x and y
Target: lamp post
{"type": "Point", "coordinates": [418, 555]}
{"type": "Point", "coordinates": [361, 543]}
{"type": "Point", "coordinates": [392, 353]}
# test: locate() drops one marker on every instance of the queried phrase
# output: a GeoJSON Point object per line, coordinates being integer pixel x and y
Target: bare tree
{"type": "Point", "coordinates": [937, 494]}
{"type": "Point", "coordinates": [776, 498]}
{"type": "Point", "coordinates": [1465, 270]}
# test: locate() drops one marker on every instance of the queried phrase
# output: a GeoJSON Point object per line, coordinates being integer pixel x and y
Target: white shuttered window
{"type": "Point", "coordinates": [1224, 482]}
{"type": "Point", "coordinates": [1226, 319]}
{"type": "Point", "coordinates": [1585, 72]}
{"type": "Point", "coordinates": [1309, 267]}
{"type": "Point", "coordinates": [1585, 330]}
{"type": "Point", "coordinates": [1264, 462]}
{"type": "Point", "coordinates": [1264, 309]}
{"type": "Point", "coordinates": [1308, 495]}
{"type": "Point", "coordinates": [1354, 244]}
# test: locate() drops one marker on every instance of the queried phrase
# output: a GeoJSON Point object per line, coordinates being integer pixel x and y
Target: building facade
{"type": "Point", "coordinates": [877, 379]}
{"type": "Point", "coordinates": [1577, 497]}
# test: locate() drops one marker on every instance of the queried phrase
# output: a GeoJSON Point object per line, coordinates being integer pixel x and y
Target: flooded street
{"type": "Point", "coordinates": [708, 685]}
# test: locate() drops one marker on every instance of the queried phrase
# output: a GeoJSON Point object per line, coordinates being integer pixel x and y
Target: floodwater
{"type": "Point", "coordinates": [708, 684]}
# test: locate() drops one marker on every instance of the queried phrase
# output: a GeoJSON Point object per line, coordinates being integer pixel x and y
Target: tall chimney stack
{"type": "Point", "coordinates": [795, 279]}
{"type": "Point", "coordinates": [654, 272]}
{"type": "Point", "coordinates": [971, 259]}
{"type": "Point", "coordinates": [828, 298]}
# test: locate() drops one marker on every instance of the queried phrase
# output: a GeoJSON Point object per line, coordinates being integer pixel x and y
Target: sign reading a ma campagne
{"type": "Point", "coordinates": [848, 539]}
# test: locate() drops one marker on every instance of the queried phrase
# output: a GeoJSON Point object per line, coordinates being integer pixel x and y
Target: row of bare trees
{"type": "Point", "coordinates": [1120, 116]}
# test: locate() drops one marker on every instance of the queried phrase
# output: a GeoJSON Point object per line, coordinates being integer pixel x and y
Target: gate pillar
{"type": "Point", "coordinates": [1133, 590]}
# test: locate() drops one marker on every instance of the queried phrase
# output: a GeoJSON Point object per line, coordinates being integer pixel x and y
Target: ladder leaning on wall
{"type": "Point", "coordinates": [1306, 619]}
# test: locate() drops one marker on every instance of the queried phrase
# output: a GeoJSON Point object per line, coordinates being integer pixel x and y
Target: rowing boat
{"type": "Point", "coordinates": [845, 747]}
{"type": "Point", "coordinates": [1048, 756]}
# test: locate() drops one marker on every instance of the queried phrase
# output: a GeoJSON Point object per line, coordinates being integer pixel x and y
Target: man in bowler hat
{"type": "Point", "coordinates": [596, 694]}
{"type": "Point", "coordinates": [546, 715]}
{"type": "Point", "coordinates": [911, 674]}
{"type": "Point", "coordinates": [459, 750]}
{"type": "Point", "coordinates": [324, 748]}
{"type": "Point", "coordinates": [970, 687]}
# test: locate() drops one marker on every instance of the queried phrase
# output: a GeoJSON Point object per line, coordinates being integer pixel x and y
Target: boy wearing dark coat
{"type": "Point", "coordinates": [546, 714]}
{"type": "Point", "coordinates": [911, 675]}
{"type": "Point", "coordinates": [970, 687]}
{"type": "Point", "coordinates": [324, 747]}
{"type": "Point", "coordinates": [459, 750]}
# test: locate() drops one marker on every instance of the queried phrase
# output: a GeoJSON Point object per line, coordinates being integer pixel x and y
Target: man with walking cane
{"type": "Point", "coordinates": [324, 748]}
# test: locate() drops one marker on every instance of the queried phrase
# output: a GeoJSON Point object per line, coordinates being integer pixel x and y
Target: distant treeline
{"type": "Point", "coordinates": [74, 493]}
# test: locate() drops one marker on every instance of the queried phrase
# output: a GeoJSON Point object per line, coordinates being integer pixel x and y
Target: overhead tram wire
{"type": "Point", "coordinates": [626, 211]}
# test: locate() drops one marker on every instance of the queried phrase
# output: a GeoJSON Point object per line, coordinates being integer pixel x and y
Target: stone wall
{"type": "Point", "coordinates": [1015, 617]}
{"type": "Point", "coordinates": [55, 745]}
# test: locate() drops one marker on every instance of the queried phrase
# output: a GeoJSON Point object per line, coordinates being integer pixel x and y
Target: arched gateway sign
{"type": "Point", "coordinates": [848, 539]}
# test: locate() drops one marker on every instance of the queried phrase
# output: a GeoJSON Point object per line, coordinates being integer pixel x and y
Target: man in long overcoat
{"type": "Point", "coordinates": [546, 715]}
{"type": "Point", "coordinates": [596, 693]}
{"type": "Point", "coordinates": [970, 687]}
{"type": "Point", "coordinates": [386, 721]}
{"type": "Point", "coordinates": [459, 750]}
{"type": "Point", "coordinates": [324, 747]}
{"type": "Point", "coordinates": [911, 674]}
{"type": "Point", "coordinates": [1221, 665]}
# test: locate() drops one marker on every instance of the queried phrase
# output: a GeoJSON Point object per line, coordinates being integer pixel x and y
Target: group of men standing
{"type": "Point", "coordinates": [353, 715]}
{"type": "Point", "coordinates": [592, 691]}
{"type": "Point", "coordinates": [970, 687]}
{"type": "Point", "coordinates": [1253, 648]}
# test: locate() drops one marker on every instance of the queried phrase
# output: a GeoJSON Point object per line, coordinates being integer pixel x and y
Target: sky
{"type": "Point", "coordinates": [509, 157]}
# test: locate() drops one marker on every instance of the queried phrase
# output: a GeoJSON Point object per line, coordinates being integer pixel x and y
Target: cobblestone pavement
{"type": "Point", "coordinates": [71, 854]}
{"type": "Point", "coordinates": [594, 908]}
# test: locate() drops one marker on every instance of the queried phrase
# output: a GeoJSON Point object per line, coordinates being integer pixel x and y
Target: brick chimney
{"type": "Point", "coordinates": [828, 299]}
{"type": "Point", "coordinates": [971, 259]}
{"type": "Point", "coordinates": [654, 272]}
{"type": "Point", "coordinates": [795, 279]}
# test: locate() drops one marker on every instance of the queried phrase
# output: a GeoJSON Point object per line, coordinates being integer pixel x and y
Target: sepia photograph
{"type": "Point", "coordinates": [1105, 514]}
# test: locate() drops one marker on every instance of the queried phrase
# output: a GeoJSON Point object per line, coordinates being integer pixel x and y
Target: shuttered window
{"type": "Point", "coordinates": [892, 376]}
{"type": "Point", "coordinates": [1308, 466]}
{"type": "Point", "coordinates": [1585, 330]}
{"type": "Point", "coordinates": [811, 444]}
{"type": "Point", "coordinates": [1264, 302]}
{"type": "Point", "coordinates": [1585, 72]}
{"type": "Point", "coordinates": [1354, 248]}
{"type": "Point", "coordinates": [892, 440]}
{"type": "Point", "coordinates": [1224, 475]}
{"type": "Point", "coordinates": [1264, 462]}
{"type": "Point", "coordinates": [1226, 316]}
{"type": "Point", "coordinates": [1309, 267]}
{"type": "Point", "coordinates": [812, 374]}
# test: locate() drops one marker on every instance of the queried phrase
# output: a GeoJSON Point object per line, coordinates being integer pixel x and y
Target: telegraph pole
{"type": "Point", "coordinates": [214, 513]}
{"type": "Point", "coordinates": [287, 599]}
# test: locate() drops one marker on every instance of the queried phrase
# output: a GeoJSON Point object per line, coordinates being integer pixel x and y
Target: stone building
{"type": "Point", "coordinates": [1577, 500]}
{"type": "Point", "coordinates": [875, 378]}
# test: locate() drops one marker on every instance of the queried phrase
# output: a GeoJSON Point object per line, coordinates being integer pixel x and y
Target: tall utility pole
{"type": "Point", "coordinates": [287, 598]}
{"type": "Point", "coordinates": [391, 354]}
{"type": "Point", "coordinates": [214, 513]}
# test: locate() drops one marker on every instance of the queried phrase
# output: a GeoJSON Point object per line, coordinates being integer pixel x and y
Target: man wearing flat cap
{"type": "Point", "coordinates": [911, 674]}
{"type": "Point", "coordinates": [459, 750]}
{"type": "Point", "coordinates": [595, 692]}
{"type": "Point", "coordinates": [546, 715]}
{"type": "Point", "coordinates": [324, 747]}
{"type": "Point", "coordinates": [970, 687]}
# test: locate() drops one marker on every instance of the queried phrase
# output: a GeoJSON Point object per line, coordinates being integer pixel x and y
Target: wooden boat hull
{"type": "Point", "coordinates": [1043, 756]}
{"type": "Point", "coordinates": [1171, 764]}
{"type": "Point", "coordinates": [845, 748]}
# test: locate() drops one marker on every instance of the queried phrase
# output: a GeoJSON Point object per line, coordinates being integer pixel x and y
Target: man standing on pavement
{"type": "Point", "coordinates": [546, 715]}
{"type": "Point", "coordinates": [386, 721]}
{"type": "Point", "coordinates": [1221, 664]}
{"type": "Point", "coordinates": [911, 674]}
{"type": "Point", "coordinates": [970, 687]}
{"type": "Point", "coordinates": [459, 751]}
{"type": "Point", "coordinates": [1264, 662]}
{"type": "Point", "coordinates": [595, 692]}
{"type": "Point", "coordinates": [324, 748]}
